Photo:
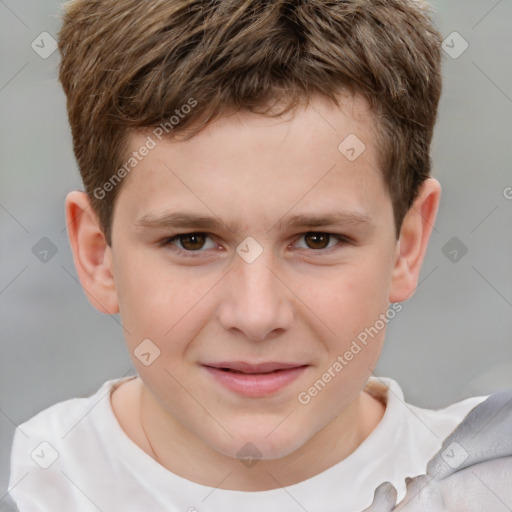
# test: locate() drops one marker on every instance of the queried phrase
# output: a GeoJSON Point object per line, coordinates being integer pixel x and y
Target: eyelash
{"type": "Point", "coordinates": [342, 239]}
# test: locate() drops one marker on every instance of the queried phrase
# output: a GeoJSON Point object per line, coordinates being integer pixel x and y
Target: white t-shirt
{"type": "Point", "coordinates": [75, 457]}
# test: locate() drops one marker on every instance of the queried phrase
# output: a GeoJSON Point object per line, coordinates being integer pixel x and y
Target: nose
{"type": "Point", "coordinates": [257, 302]}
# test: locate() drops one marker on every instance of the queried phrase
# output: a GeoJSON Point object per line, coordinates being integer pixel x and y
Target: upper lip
{"type": "Point", "coordinates": [244, 367]}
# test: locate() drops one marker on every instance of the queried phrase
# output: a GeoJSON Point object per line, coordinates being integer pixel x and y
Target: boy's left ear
{"type": "Point", "coordinates": [414, 236]}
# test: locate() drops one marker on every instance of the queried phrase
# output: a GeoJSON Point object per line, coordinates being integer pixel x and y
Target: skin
{"type": "Point", "coordinates": [292, 304]}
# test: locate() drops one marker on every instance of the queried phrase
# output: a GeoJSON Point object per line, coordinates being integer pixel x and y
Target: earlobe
{"type": "Point", "coordinates": [91, 254]}
{"type": "Point", "coordinates": [414, 236]}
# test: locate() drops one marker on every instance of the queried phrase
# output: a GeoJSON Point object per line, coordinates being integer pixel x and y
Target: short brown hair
{"type": "Point", "coordinates": [128, 65]}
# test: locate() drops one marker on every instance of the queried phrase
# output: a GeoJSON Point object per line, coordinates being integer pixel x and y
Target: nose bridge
{"type": "Point", "coordinates": [255, 279]}
{"type": "Point", "coordinates": [256, 300]}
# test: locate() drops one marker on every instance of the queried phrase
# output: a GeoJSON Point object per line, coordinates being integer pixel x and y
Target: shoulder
{"type": "Point", "coordinates": [444, 420]}
{"type": "Point", "coordinates": [61, 418]}
{"type": "Point", "coordinates": [418, 431]}
{"type": "Point", "coordinates": [472, 471]}
{"type": "Point", "coordinates": [51, 442]}
{"type": "Point", "coordinates": [441, 421]}
{"type": "Point", "coordinates": [409, 436]}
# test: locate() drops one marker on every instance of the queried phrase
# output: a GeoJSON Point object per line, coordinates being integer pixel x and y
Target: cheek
{"type": "Point", "coordinates": [353, 304]}
{"type": "Point", "coordinates": [356, 296]}
{"type": "Point", "coordinates": [155, 301]}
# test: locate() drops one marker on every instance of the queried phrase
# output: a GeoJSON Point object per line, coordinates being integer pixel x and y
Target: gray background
{"type": "Point", "coordinates": [451, 340]}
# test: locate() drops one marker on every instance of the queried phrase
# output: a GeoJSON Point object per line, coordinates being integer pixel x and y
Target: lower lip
{"type": "Point", "coordinates": [256, 384]}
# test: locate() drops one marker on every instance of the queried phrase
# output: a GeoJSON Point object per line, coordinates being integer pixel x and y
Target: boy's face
{"type": "Point", "coordinates": [255, 288]}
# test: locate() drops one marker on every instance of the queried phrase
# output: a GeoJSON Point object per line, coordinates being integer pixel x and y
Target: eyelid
{"type": "Point", "coordinates": [167, 241]}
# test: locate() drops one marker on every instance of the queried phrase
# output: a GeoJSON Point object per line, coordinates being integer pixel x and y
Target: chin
{"type": "Point", "coordinates": [258, 444]}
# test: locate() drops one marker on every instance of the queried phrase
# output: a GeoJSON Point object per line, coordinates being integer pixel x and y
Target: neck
{"type": "Point", "coordinates": [182, 453]}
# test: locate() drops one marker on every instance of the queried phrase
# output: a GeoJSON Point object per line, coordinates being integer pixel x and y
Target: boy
{"type": "Point", "coordinates": [258, 205]}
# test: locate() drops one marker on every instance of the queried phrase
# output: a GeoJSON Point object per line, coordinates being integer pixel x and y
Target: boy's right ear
{"type": "Point", "coordinates": [91, 254]}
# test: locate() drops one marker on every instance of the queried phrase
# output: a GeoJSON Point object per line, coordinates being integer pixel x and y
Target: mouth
{"type": "Point", "coordinates": [248, 368]}
{"type": "Point", "coordinates": [255, 380]}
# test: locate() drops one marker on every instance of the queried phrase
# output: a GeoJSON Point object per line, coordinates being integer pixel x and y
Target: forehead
{"type": "Point", "coordinates": [246, 162]}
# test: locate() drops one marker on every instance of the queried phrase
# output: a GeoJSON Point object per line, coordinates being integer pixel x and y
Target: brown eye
{"type": "Point", "coordinates": [189, 243]}
{"type": "Point", "coordinates": [322, 243]}
{"type": "Point", "coordinates": [317, 240]}
{"type": "Point", "coordinates": [192, 241]}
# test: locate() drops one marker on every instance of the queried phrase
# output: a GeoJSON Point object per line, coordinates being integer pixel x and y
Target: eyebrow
{"type": "Point", "coordinates": [174, 220]}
